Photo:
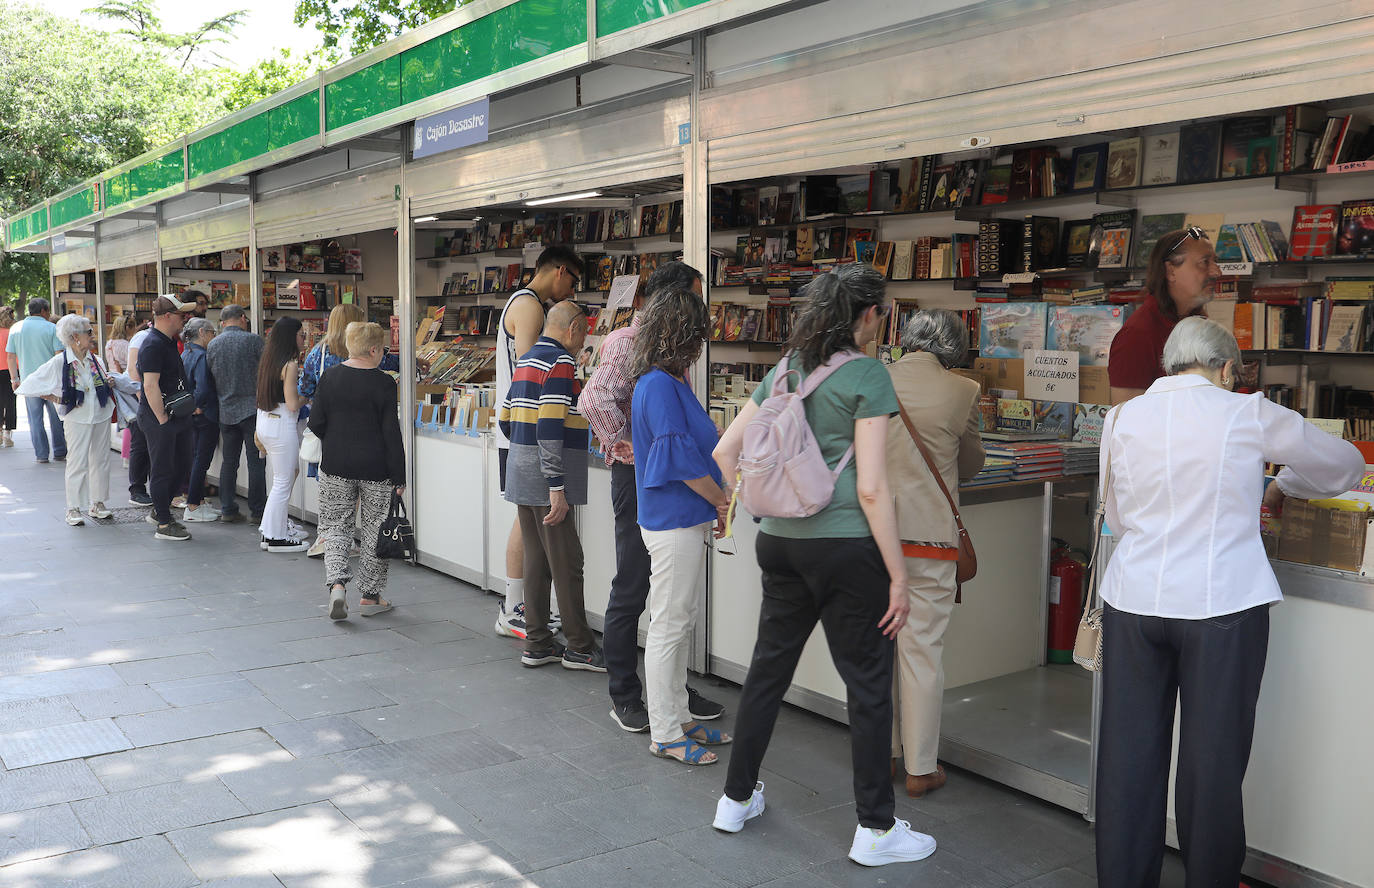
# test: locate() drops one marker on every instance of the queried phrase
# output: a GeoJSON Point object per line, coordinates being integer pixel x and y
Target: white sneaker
{"type": "Point", "coordinates": [511, 623]}
{"type": "Point", "coordinates": [203, 512]}
{"type": "Point", "coordinates": [74, 518]}
{"type": "Point", "coordinates": [98, 510]}
{"type": "Point", "coordinates": [179, 501]}
{"type": "Point", "coordinates": [316, 548]}
{"type": "Point", "coordinates": [900, 844]}
{"type": "Point", "coordinates": [730, 814]}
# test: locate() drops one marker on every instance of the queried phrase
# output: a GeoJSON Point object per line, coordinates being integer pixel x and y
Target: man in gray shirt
{"type": "Point", "coordinates": [233, 358]}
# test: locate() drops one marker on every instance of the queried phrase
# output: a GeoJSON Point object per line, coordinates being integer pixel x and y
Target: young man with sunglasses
{"type": "Point", "coordinates": [1178, 281]}
{"type": "Point", "coordinates": [557, 273]}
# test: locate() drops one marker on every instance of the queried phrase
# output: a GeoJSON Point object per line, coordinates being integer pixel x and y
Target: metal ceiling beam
{"type": "Point", "coordinates": [148, 215]}
{"type": "Point", "coordinates": [654, 60]}
{"type": "Point", "coordinates": [391, 146]}
{"type": "Point", "coordinates": [222, 188]}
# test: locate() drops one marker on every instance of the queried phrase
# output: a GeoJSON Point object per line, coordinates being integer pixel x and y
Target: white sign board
{"type": "Point", "coordinates": [1051, 375]}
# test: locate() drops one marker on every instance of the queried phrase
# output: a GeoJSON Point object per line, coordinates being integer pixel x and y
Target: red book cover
{"type": "Point", "coordinates": [1314, 226]}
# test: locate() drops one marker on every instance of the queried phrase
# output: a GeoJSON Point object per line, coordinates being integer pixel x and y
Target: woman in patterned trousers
{"type": "Point", "coordinates": [354, 416]}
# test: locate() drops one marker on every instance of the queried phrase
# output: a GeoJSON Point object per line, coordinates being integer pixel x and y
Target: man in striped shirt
{"type": "Point", "coordinates": [546, 475]}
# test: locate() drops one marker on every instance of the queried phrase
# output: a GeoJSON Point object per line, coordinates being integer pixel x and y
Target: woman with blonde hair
{"type": "Point", "coordinates": [117, 349]}
{"type": "Point", "coordinates": [8, 404]}
{"type": "Point", "coordinates": [333, 348]}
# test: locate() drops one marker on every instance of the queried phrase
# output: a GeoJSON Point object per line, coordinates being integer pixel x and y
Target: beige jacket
{"type": "Point", "coordinates": [944, 408]}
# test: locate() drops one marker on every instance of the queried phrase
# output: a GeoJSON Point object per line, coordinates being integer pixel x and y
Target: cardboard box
{"type": "Point", "coordinates": [1093, 387]}
{"type": "Point", "coordinates": [1003, 373]}
{"type": "Point", "coordinates": [1326, 537]}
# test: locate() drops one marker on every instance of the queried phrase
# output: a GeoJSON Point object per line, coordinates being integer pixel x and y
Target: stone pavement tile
{"type": "Point", "coordinates": [463, 652]}
{"type": "Point", "coordinates": [22, 617]}
{"type": "Point", "coordinates": [541, 837]}
{"type": "Point", "coordinates": [152, 810]}
{"type": "Point", "coordinates": [818, 761]}
{"type": "Point", "coordinates": [142, 863]}
{"type": "Point", "coordinates": [650, 863]}
{"type": "Point", "coordinates": [188, 722]}
{"type": "Point", "coordinates": [1019, 840]}
{"type": "Point", "coordinates": [63, 681]}
{"type": "Point", "coordinates": [943, 869]}
{"type": "Point", "coordinates": [327, 697]}
{"type": "Point", "coordinates": [965, 794]}
{"type": "Point", "coordinates": [39, 832]}
{"type": "Point", "coordinates": [429, 633]}
{"type": "Point", "coordinates": [787, 797]}
{"type": "Point", "coordinates": [310, 845]}
{"type": "Point", "coordinates": [404, 815]}
{"type": "Point", "coordinates": [835, 825]}
{"type": "Point", "coordinates": [110, 702]}
{"type": "Point", "coordinates": [168, 668]}
{"type": "Point", "coordinates": [56, 743]}
{"type": "Point", "coordinates": [643, 812]}
{"type": "Point", "coordinates": [803, 879]}
{"type": "Point", "coordinates": [427, 757]}
{"type": "Point", "coordinates": [37, 712]}
{"type": "Point", "coordinates": [347, 644]}
{"type": "Point", "coordinates": [99, 608]}
{"type": "Point", "coordinates": [246, 656]}
{"type": "Point", "coordinates": [406, 721]}
{"type": "Point", "coordinates": [768, 847]}
{"type": "Point", "coordinates": [448, 864]}
{"type": "Point", "coordinates": [545, 777]}
{"type": "Point", "coordinates": [205, 689]}
{"type": "Point", "coordinates": [321, 736]}
{"type": "Point", "coordinates": [1062, 878]}
{"type": "Point", "coordinates": [201, 759]}
{"type": "Point", "coordinates": [536, 734]}
{"type": "Point", "coordinates": [47, 785]}
{"type": "Point", "coordinates": [365, 667]}
{"type": "Point", "coordinates": [267, 881]}
{"type": "Point", "coordinates": [616, 763]}
{"type": "Point", "coordinates": [289, 677]}
{"type": "Point", "coordinates": [276, 785]}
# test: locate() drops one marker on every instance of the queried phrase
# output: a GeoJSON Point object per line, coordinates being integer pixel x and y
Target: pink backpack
{"type": "Point", "coordinates": [782, 471]}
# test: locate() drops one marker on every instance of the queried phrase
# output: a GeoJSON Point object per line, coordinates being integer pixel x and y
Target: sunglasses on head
{"type": "Point", "coordinates": [1192, 231]}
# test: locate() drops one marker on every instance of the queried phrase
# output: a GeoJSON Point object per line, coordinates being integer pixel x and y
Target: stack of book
{"type": "Point", "coordinates": [1079, 458]}
{"type": "Point", "coordinates": [1081, 294]}
{"type": "Point", "coordinates": [1030, 459]}
{"type": "Point", "coordinates": [996, 470]}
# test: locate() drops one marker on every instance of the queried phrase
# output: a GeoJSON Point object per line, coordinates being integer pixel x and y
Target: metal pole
{"type": "Point", "coordinates": [254, 258]}
{"type": "Point", "coordinates": [695, 250]}
{"type": "Point", "coordinates": [404, 307]}
{"type": "Point", "coordinates": [99, 294]}
{"type": "Point", "coordinates": [157, 231]}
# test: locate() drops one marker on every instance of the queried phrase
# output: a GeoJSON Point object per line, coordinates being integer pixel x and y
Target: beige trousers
{"type": "Point", "coordinates": [918, 676]}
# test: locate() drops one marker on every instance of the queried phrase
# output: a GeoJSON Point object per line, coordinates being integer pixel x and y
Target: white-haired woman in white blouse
{"type": "Point", "coordinates": [1187, 593]}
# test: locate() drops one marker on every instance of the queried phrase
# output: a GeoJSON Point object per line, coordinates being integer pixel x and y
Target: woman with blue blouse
{"type": "Point", "coordinates": [333, 349]}
{"type": "Point", "coordinates": [680, 497]}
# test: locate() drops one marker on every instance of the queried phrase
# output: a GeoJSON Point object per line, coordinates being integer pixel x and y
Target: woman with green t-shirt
{"type": "Point", "coordinates": [842, 566]}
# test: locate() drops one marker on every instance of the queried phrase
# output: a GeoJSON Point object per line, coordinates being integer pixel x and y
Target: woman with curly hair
{"type": "Point", "coordinates": [680, 496]}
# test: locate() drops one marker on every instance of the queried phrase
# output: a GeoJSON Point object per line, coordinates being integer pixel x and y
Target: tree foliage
{"type": "Point", "coordinates": [142, 22]}
{"type": "Point", "coordinates": [354, 26]}
{"type": "Point", "coordinates": [75, 101]}
{"type": "Point", "coordinates": [239, 89]}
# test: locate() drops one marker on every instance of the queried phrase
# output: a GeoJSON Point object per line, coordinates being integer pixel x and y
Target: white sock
{"type": "Point", "coordinates": [515, 593]}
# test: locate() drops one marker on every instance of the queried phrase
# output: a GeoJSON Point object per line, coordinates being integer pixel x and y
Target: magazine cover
{"type": "Point", "coordinates": [1087, 422]}
{"type": "Point", "coordinates": [1009, 329]}
{"type": "Point", "coordinates": [1086, 329]}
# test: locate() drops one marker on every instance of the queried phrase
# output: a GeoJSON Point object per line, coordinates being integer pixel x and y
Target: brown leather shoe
{"type": "Point", "coordinates": [918, 785]}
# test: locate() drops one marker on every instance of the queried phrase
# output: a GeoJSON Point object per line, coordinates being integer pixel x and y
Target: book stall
{"type": "Point", "coordinates": [766, 143]}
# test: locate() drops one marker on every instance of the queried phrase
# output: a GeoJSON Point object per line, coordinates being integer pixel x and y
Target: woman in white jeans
{"type": "Point", "coordinates": [680, 496]}
{"type": "Point", "coordinates": [279, 406]}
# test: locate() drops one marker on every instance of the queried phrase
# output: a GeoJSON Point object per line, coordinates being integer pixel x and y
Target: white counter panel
{"type": "Point", "coordinates": [449, 520]}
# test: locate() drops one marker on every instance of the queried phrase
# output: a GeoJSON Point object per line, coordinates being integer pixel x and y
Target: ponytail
{"type": "Point", "coordinates": [834, 302]}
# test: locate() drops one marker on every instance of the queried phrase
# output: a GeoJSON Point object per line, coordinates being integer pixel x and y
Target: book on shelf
{"type": "Point", "coordinates": [1040, 243]}
{"type": "Point", "coordinates": [1236, 135]}
{"type": "Point", "coordinates": [1152, 228]}
{"type": "Point", "coordinates": [1355, 233]}
{"type": "Point", "coordinates": [1085, 329]}
{"type": "Point", "coordinates": [1199, 152]}
{"type": "Point", "coordinates": [1077, 242]}
{"type": "Point", "coordinates": [903, 260]}
{"type": "Point", "coordinates": [1089, 165]}
{"type": "Point", "coordinates": [997, 240]}
{"type": "Point", "coordinates": [1210, 223]}
{"type": "Point", "coordinates": [1228, 246]}
{"type": "Point", "coordinates": [1313, 230]}
{"type": "Point", "coordinates": [1345, 328]}
{"type": "Point", "coordinates": [1008, 330]}
{"type": "Point", "coordinates": [996, 184]}
{"type": "Point", "coordinates": [768, 204]}
{"type": "Point", "coordinates": [1123, 163]}
{"type": "Point", "coordinates": [1087, 422]}
{"type": "Point", "coordinates": [1301, 124]}
{"type": "Point", "coordinates": [1159, 165]}
{"type": "Point", "coordinates": [1110, 246]}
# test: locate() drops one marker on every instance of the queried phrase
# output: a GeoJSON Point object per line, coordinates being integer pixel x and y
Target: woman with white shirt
{"type": "Point", "coordinates": [1187, 595]}
{"type": "Point", "coordinates": [77, 382]}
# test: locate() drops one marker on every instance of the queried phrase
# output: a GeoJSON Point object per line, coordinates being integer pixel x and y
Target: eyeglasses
{"type": "Point", "coordinates": [1193, 231]}
{"type": "Point", "coordinates": [576, 278]}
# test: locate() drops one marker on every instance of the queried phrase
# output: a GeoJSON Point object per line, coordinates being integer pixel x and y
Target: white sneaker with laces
{"type": "Point", "coordinates": [98, 510]}
{"type": "Point", "coordinates": [203, 512]}
{"type": "Point", "coordinates": [900, 844]}
{"type": "Point", "coordinates": [74, 518]}
{"type": "Point", "coordinates": [511, 623]}
{"type": "Point", "coordinates": [730, 814]}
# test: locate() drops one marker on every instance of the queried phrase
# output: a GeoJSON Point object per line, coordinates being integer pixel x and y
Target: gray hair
{"type": "Point", "coordinates": [194, 327]}
{"type": "Point", "coordinates": [38, 305]}
{"type": "Point", "coordinates": [231, 312]}
{"type": "Point", "coordinates": [1199, 344]}
{"type": "Point", "coordinates": [938, 331]}
{"type": "Point", "coordinates": [68, 326]}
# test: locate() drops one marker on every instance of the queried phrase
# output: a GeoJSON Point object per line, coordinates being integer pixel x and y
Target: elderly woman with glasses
{"type": "Point", "coordinates": [1188, 591]}
{"type": "Point", "coordinates": [943, 408]}
{"type": "Point", "coordinates": [1179, 279]}
{"type": "Point", "coordinates": [205, 420]}
{"type": "Point", "coordinates": [78, 383]}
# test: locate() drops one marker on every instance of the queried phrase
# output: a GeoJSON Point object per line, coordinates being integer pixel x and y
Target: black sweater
{"type": "Point", "coordinates": [354, 416]}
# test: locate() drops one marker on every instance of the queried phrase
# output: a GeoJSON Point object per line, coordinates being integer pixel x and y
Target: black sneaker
{"type": "Point", "coordinates": [140, 499]}
{"type": "Point", "coordinates": [632, 717]}
{"type": "Point", "coordinates": [231, 517]}
{"type": "Point", "coordinates": [701, 708]}
{"type": "Point", "coordinates": [172, 531]}
{"type": "Point", "coordinates": [590, 661]}
{"type": "Point", "coordinates": [542, 657]}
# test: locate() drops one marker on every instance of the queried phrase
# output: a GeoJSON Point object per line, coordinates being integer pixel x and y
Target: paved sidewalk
{"type": "Point", "coordinates": [183, 714]}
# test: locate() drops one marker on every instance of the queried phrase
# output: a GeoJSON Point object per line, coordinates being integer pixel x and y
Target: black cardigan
{"type": "Point", "coordinates": [354, 416]}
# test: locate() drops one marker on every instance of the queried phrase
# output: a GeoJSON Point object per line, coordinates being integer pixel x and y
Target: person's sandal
{"type": "Point", "coordinates": [378, 606]}
{"type": "Point", "coordinates": [338, 602]}
{"type": "Point", "coordinates": [693, 753]}
{"type": "Point", "coordinates": [706, 736]}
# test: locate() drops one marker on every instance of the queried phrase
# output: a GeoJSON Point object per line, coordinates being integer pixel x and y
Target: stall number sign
{"type": "Point", "coordinates": [454, 128]}
{"type": "Point", "coordinates": [1052, 375]}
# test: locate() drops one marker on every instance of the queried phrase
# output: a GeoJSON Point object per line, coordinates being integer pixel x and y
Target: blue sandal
{"type": "Point", "coordinates": [707, 736]}
{"type": "Point", "coordinates": [692, 752]}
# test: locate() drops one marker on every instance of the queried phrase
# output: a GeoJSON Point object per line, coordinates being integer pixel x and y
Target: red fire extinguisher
{"type": "Point", "coordinates": [1066, 601]}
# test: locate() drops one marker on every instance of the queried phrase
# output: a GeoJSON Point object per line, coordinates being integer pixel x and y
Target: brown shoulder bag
{"type": "Point", "coordinates": [968, 559]}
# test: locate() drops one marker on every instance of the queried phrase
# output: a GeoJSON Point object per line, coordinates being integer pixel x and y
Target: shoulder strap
{"type": "Point", "coordinates": [930, 464]}
{"type": "Point", "coordinates": [822, 373]}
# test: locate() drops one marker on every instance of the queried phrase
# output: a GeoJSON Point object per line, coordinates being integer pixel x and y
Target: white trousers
{"type": "Point", "coordinates": [918, 675]}
{"type": "Point", "coordinates": [278, 433]}
{"type": "Point", "coordinates": [88, 462]}
{"type": "Point", "coordinates": [675, 558]}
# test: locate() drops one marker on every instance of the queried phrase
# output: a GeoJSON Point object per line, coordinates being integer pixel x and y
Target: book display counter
{"type": "Point", "coordinates": [765, 143]}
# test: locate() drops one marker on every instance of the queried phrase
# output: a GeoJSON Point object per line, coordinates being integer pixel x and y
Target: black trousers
{"type": "Point", "coordinates": [843, 584]}
{"type": "Point", "coordinates": [1212, 669]}
{"type": "Point", "coordinates": [204, 439]}
{"type": "Point", "coordinates": [169, 460]}
{"type": "Point", "coordinates": [138, 455]}
{"type": "Point", "coordinates": [237, 438]}
{"type": "Point", "coordinates": [9, 416]}
{"type": "Point", "coordinates": [629, 591]}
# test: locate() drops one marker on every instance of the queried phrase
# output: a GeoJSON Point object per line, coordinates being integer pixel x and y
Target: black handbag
{"type": "Point", "coordinates": [181, 404]}
{"type": "Point", "coordinates": [396, 539]}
